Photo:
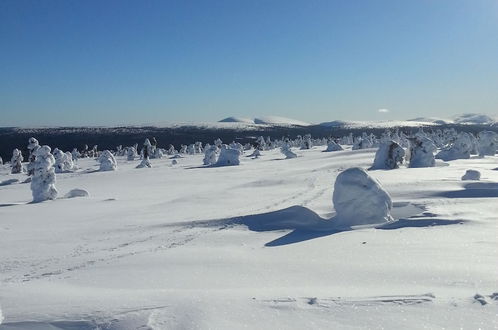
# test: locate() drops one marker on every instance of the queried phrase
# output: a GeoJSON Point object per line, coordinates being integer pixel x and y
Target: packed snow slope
{"type": "Point", "coordinates": [191, 247]}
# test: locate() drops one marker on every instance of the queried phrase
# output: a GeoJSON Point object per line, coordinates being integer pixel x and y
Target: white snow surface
{"type": "Point", "coordinates": [193, 247]}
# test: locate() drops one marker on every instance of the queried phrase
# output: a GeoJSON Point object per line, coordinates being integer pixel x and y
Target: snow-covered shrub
{"type": "Point", "coordinates": [422, 152]}
{"type": "Point", "coordinates": [471, 175]}
{"type": "Point", "coordinates": [107, 161]}
{"type": "Point", "coordinates": [228, 157]}
{"type": "Point", "coordinates": [16, 161]}
{"type": "Point", "coordinates": [389, 156]}
{"type": "Point", "coordinates": [459, 149]}
{"type": "Point", "coordinates": [488, 142]}
{"type": "Point", "coordinates": [210, 155]}
{"type": "Point", "coordinates": [332, 146]}
{"type": "Point", "coordinates": [286, 150]}
{"type": "Point", "coordinates": [359, 199]}
{"type": "Point", "coordinates": [43, 182]}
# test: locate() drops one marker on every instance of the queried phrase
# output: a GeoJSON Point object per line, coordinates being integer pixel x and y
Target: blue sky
{"type": "Point", "coordinates": [127, 62]}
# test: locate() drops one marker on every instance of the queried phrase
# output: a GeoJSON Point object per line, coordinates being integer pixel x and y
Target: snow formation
{"type": "Point", "coordinates": [359, 199]}
{"type": "Point", "coordinates": [472, 175]}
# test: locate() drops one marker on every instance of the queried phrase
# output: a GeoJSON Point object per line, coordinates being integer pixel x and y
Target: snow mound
{"type": "Point", "coordinates": [77, 193]}
{"type": "Point", "coordinates": [471, 175]}
{"type": "Point", "coordinates": [275, 120]}
{"type": "Point", "coordinates": [474, 118]}
{"type": "Point", "coordinates": [359, 199]}
{"type": "Point", "coordinates": [237, 120]}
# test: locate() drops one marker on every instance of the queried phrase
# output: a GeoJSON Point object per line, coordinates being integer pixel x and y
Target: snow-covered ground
{"type": "Point", "coordinates": [191, 247]}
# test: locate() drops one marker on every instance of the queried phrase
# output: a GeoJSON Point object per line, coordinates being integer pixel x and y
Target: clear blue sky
{"type": "Point", "coordinates": [107, 62]}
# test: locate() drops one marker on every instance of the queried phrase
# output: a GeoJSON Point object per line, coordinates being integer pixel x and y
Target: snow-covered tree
{"type": "Point", "coordinates": [1, 161]}
{"type": "Point", "coordinates": [33, 145]}
{"type": "Point", "coordinates": [488, 142]}
{"type": "Point", "coordinates": [422, 152]}
{"type": "Point", "coordinates": [147, 149]}
{"type": "Point", "coordinates": [286, 150]}
{"type": "Point", "coordinates": [389, 156]}
{"type": "Point", "coordinates": [63, 161]}
{"type": "Point", "coordinates": [459, 149]}
{"type": "Point", "coordinates": [107, 161]}
{"type": "Point", "coordinates": [131, 153]}
{"type": "Point", "coordinates": [43, 182]}
{"type": "Point", "coordinates": [210, 155]}
{"type": "Point", "coordinates": [359, 199]}
{"type": "Point", "coordinates": [306, 142]}
{"type": "Point", "coordinates": [75, 154]}
{"type": "Point", "coordinates": [16, 161]}
{"type": "Point", "coordinates": [228, 156]}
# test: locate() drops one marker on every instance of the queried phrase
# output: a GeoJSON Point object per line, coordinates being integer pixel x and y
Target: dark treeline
{"type": "Point", "coordinates": [67, 138]}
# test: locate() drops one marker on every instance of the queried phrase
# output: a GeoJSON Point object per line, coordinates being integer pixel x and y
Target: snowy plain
{"type": "Point", "coordinates": [190, 247]}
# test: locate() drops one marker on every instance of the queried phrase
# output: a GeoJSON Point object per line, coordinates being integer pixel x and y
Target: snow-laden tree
{"type": "Point", "coordinates": [43, 182]}
{"type": "Point", "coordinates": [191, 149]}
{"type": "Point", "coordinates": [359, 199]}
{"type": "Point", "coordinates": [306, 142]}
{"type": "Point", "coordinates": [33, 145]}
{"type": "Point", "coordinates": [459, 149]}
{"type": "Point", "coordinates": [1, 161]}
{"type": "Point", "coordinates": [488, 142]}
{"type": "Point", "coordinates": [63, 162]}
{"type": "Point", "coordinates": [228, 156]}
{"type": "Point", "coordinates": [198, 148]}
{"type": "Point", "coordinates": [286, 150]}
{"type": "Point", "coordinates": [218, 142]}
{"type": "Point", "coordinates": [210, 155]}
{"type": "Point", "coordinates": [332, 146]}
{"type": "Point", "coordinates": [158, 153]}
{"type": "Point", "coordinates": [146, 151]}
{"type": "Point", "coordinates": [75, 154]}
{"type": "Point", "coordinates": [107, 161]}
{"type": "Point", "coordinates": [183, 149]}
{"type": "Point", "coordinates": [261, 143]}
{"type": "Point", "coordinates": [171, 150]}
{"type": "Point", "coordinates": [131, 153]}
{"type": "Point", "coordinates": [16, 161]}
{"type": "Point", "coordinates": [422, 152]}
{"type": "Point", "coordinates": [389, 156]}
